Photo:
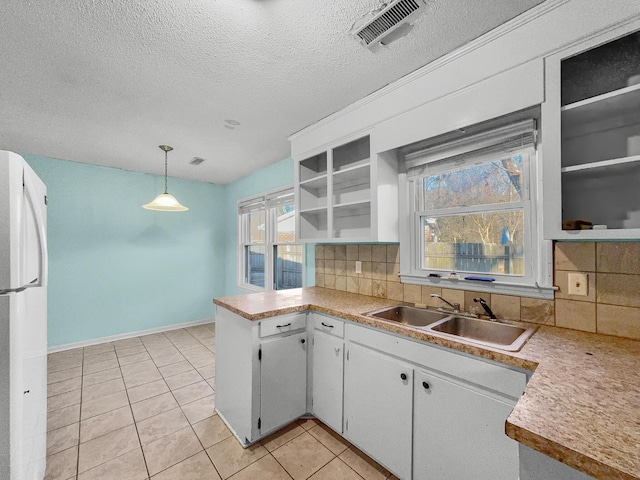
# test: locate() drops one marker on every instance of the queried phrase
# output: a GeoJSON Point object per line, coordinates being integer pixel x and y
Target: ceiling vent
{"type": "Point", "coordinates": [380, 22]}
{"type": "Point", "coordinates": [196, 161]}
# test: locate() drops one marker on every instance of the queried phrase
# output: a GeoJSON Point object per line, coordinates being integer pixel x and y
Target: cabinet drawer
{"type": "Point", "coordinates": [282, 324]}
{"type": "Point", "coordinates": [328, 325]}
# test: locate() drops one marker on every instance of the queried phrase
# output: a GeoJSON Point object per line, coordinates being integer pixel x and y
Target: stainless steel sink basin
{"type": "Point", "coordinates": [492, 334]}
{"type": "Point", "coordinates": [467, 329]}
{"type": "Point", "coordinates": [414, 316]}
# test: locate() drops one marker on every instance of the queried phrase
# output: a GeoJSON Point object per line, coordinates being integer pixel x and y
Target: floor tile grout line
{"type": "Point", "coordinates": [135, 423]}
{"type": "Point", "coordinates": [80, 418]}
{"type": "Point", "coordinates": [65, 406]}
{"type": "Point", "coordinates": [203, 447]}
{"type": "Point", "coordinates": [278, 462]}
{"type": "Point", "coordinates": [297, 436]}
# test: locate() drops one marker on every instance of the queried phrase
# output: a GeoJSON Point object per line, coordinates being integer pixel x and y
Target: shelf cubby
{"type": "Point", "coordinates": [351, 154]}
{"type": "Point", "coordinates": [600, 134]}
{"type": "Point", "coordinates": [313, 167]}
{"type": "Point", "coordinates": [314, 224]}
{"type": "Point", "coordinates": [352, 220]}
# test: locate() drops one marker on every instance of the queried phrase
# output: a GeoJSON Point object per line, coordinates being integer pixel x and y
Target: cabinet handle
{"type": "Point", "coordinates": [302, 340]}
{"type": "Point", "coordinates": [403, 376]}
{"type": "Point", "coordinates": [325, 325]}
{"type": "Point", "coordinates": [425, 385]}
{"type": "Point", "coordinates": [285, 325]}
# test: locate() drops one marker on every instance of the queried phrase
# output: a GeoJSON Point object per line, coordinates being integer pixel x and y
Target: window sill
{"type": "Point", "coordinates": [500, 288]}
{"type": "Point", "coordinates": [252, 288]}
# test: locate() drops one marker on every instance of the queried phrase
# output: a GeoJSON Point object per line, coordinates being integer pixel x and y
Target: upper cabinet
{"type": "Point", "coordinates": [344, 194]}
{"type": "Point", "coordinates": [591, 139]}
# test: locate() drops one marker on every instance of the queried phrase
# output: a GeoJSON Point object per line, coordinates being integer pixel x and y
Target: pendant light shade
{"type": "Point", "coordinates": [165, 202]}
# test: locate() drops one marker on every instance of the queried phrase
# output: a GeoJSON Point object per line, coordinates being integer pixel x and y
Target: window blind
{"type": "Point", "coordinates": [251, 205]}
{"type": "Point", "coordinates": [473, 149]}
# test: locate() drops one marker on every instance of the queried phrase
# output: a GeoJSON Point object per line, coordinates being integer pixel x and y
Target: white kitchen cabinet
{"type": "Point", "coordinates": [591, 138]}
{"type": "Point", "coordinates": [328, 374]}
{"type": "Point", "coordinates": [378, 392]}
{"type": "Point", "coordinates": [327, 369]}
{"type": "Point", "coordinates": [458, 432]}
{"type": "Point", "coordinates": [261, 372]}
{"type": "Point", "coordinates": [346, 194]}
{"type": "Point", "coordinates": [283, 380]}
{"type": "Point", "coordinates": [368, 385]}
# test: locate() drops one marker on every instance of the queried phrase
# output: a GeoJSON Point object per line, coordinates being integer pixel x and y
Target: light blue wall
{"type": "Point", "coordinates": [116, 268]}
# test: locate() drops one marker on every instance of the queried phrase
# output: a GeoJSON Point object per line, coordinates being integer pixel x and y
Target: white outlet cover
{"type": "Point", "coordinates": [578, 284]}
{"type": "Point", "coordinates": [358, 266]}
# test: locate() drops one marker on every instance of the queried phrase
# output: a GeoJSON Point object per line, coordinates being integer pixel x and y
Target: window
{"type": "Point", "coordinates": [472, 209]}
{"type": "Point", "coordinates": [269, 258]}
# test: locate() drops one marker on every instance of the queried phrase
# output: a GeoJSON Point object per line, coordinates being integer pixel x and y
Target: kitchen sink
{"type": "Point", "coordinates": [499, 335]}
{"type": "Point", "coordinates": [414, 316]}
{"type": "Point", "coordinates": [492, 334]}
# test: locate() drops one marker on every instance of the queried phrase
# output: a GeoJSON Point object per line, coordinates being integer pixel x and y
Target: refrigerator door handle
{"type": "Point", "coordinates": [30, 190]}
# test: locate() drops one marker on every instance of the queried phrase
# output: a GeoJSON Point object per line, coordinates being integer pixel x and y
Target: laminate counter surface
{"type": "Point", "coordinates": [581, 406]}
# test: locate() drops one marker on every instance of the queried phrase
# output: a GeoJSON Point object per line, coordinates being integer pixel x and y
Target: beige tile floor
{"type": "Point", "coordinates": [143, 408]}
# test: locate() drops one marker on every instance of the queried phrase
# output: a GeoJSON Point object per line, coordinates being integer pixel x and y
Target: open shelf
{"type": "Point", "coordinates": [618, 103]}
{"type": "Point", "coordinates": [602, 195]}
{"type": "Point", "coordinates": [316, 182]}
{"type": "Point", "coordinates": [352, 220]}
{"type": "Point", "coordinates": [314, 210]}
{"type": "Point", "coordinates": [312, 198]}
{"type": "Point", "coordinates": [313, 224]}
{"type": "Point", "coordinates": [313, 167]}
{"type": "Point", "coordinates": [355, 207]}
{"type": "Point", "coordinates": [355, 175]}
{"type": "Point", "coordinates": [351, 154]}
{"type": "Point", "coordinates": [616, 163]}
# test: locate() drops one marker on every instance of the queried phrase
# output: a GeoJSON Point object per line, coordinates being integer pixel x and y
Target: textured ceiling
{"type": "Point", "coordinates": [106, 81]}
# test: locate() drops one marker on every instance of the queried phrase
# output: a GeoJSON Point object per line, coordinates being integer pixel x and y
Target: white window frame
{"type": "Point", "coordinates": [267, 201]}
{"type": "Point", "coordinates": [537, 279]}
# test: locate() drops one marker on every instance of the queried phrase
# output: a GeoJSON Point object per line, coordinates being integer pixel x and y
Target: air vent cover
{"type": "Point", "coordinates": [378, 23]}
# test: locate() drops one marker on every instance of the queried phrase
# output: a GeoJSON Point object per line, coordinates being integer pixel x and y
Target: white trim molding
{"type": "Point", "coordinates": [124, 336]}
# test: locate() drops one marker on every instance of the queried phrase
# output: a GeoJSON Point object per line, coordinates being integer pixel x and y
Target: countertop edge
{"type": "Point", "coordinates": [576, 460]}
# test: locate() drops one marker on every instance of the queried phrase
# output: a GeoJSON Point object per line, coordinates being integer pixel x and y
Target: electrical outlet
{"type": "Point", "coordinates": [578, 284]}
{"type": "Point", "coordinates": [358, 266]}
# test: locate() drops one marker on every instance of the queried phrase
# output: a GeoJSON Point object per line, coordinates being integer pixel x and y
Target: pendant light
{"type": "Point", "coordinates": [165, 202]}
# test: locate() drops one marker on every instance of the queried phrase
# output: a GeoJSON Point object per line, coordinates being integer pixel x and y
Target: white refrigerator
{"type": "Point", "coordinates": [23, 321]}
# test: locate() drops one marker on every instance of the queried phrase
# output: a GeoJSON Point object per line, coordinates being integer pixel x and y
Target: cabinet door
{"type": "Point", "coordinates": [459, 433]}
{"type": "Point", "coordinates": [328, 369]}
{"type": "Point", "coordinates": [378, 392]}
{"type": "Point", "coordinates": [283, 381]}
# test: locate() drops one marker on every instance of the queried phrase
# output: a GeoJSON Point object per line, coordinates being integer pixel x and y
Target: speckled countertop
{"type": "Point", "coordinates": [581, 406]}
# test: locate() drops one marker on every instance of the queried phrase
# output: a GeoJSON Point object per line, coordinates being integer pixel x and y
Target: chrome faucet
{"type": "Point", "coordinates": [455, 306]}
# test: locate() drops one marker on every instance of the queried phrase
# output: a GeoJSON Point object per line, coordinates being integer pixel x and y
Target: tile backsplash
{"type": "Point", "coordinates": [612, 304]}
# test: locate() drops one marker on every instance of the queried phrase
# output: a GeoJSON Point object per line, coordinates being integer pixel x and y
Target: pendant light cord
{"type": "Point", "coordinates": [165, 172]}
